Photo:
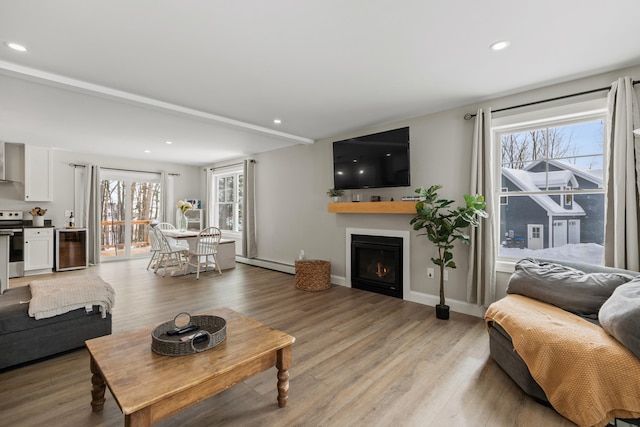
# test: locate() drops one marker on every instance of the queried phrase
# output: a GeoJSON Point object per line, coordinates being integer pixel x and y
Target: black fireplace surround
{"type": "Point", "coordinates": [376, 264]}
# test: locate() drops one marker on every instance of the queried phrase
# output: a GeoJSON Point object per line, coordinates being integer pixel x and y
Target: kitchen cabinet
{"type": "Point", "coordinates": [4, 260]}
{"type": "Point", "coordinates": [38, 174]}
{"type": "Point", "coordinates": [38, 250]}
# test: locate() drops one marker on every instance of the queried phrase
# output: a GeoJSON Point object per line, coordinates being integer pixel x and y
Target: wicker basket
{"type": "Point", "coordinates": [213, 330]}
{"type": "Point", "coordinates": [313, 274]}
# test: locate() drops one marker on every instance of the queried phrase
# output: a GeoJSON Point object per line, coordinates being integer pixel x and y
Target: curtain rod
{"type": "Point", "coordinates": [75, 165]}
{"type": "Point", "coordinates": [469, 116]}
{"type": "Point", "coordinates": [231, 165]}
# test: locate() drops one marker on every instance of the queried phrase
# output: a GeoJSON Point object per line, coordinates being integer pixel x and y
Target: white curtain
{"type": "Point", "coordinates": [87, 207]}
{"type": "Point", "coordinates": [622, 178]}
{"type": "Point", "coordinates": [81, 174]}
{"type": "Point", "coordinates": [168, 198]}
{"type": "Point", "coordinates": [481, 279]}
{"type": "Point", "coordinates": [208, 197]}
{"type": "Point", "coordinates": [249, 248]}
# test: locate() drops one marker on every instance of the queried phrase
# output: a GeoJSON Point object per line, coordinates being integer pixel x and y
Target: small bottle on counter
{"type": "Point", "coordinates": [72, 220]}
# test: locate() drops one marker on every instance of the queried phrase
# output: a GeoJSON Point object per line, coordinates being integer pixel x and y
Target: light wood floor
{"type": "Point", "coordinates": [360, 359]}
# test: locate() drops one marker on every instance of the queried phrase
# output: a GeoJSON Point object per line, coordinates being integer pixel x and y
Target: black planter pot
{"type": "Point", "coordinates": [442, 312]}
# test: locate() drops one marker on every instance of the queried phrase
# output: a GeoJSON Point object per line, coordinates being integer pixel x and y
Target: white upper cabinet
{"type": "Point", "coordinates": [38, 174]}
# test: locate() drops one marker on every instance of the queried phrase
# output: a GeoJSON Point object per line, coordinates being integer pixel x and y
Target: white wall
{"type": "Point", "coordinates": [187, 185]}
{"type": "Point", "coordinates": [292, 182]}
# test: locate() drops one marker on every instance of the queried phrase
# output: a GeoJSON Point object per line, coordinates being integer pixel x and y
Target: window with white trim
{"type": "Point", "coordinates": [551, 167]}
{"type": "Point", "coordinates": [228, 199]}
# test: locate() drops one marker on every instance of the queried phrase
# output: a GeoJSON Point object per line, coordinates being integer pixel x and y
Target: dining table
{"type": "Point", "coordinates": [190, 236]}
{"type": "Point", "coordinates": [226, 250]}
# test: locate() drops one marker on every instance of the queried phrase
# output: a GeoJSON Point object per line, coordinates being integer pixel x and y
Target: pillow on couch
{"type": "Point", "coordinates": [620, 315]}
{"type": "Point", "coordinates": [565, 287]}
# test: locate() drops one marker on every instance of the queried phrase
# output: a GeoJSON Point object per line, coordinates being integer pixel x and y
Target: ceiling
{"type": "Point", "coordinates": [120, 77]}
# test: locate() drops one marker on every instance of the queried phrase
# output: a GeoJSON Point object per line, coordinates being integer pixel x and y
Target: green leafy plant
{"type": "Point", "coordinates": [335, 193]}
{"type": "Point", "coordinates": [443, 225]}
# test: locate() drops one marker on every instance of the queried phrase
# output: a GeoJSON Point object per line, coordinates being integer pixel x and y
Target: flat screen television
{"type": "Point", "coordinates": [372, 161]}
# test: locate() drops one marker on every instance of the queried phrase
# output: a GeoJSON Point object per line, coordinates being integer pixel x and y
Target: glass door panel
{"type": "Point", "coordinates": [145, 208]}
{"type": "Point", "coordinates": [113, 218]}
{"type": "Point", "coordinates": [129, 205]}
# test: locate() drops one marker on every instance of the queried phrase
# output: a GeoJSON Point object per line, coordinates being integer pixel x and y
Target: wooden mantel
{"type": "Point", "coordinates": [373, 207]}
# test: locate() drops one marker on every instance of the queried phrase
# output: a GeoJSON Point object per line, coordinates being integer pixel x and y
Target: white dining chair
{"type": "Point", "coordinates": [170, 254]}
{"type": "Point", "coordinates": [155, 245]}
{"type": "Point", "coordinates": [165, 226]}
{"type": "Point", "coordinates": [205, 251]}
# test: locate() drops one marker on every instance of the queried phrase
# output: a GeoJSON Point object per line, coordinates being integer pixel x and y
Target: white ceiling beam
{"type": "Point", "coordinates": [11, 69]}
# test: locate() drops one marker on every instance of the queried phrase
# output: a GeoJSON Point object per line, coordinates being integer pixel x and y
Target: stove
{"type": "Point", "coordinates": [12, 220]}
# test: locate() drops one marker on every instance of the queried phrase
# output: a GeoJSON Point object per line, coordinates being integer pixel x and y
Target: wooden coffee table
{"type": "Point", "coordinates": [149, 387]}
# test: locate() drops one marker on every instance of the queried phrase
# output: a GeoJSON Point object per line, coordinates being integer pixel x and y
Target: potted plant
{"type": "Point", "coordinates": [443, 226]}
{"type": "Point", "coordinates": [335, 194]}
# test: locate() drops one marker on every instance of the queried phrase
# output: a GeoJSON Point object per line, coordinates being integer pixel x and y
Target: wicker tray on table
{"type": "Point", "coordinates": [210, 331]}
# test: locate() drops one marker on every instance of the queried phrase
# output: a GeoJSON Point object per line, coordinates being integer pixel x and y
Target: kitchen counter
{"type": "Point", "coordinates": [29, 224]}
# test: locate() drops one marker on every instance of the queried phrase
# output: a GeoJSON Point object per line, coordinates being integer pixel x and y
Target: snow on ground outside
{"type": "Point", "coordinates": [590, 253]}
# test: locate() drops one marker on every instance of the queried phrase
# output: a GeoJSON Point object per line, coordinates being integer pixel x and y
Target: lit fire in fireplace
{"type": "Point", "coordinates": [377, 269]}
{"type": "Point", "coordinates": [382, 270]}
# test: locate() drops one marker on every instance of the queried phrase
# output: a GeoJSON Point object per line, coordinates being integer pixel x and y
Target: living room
{"type": "Point", "coordinates": [309, 225]}
{"type": "Point", "coordinates": [292, 181]}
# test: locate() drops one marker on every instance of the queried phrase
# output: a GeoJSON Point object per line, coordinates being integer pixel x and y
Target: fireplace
{"type": "Point", "coordinates": [376, 264]}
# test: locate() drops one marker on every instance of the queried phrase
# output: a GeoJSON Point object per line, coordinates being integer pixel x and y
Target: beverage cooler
{"type": "Point", "coordinates": [71, 249]}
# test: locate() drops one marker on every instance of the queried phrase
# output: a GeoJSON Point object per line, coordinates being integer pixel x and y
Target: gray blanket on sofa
{"type": "Point", "coordinates": [571, 289]}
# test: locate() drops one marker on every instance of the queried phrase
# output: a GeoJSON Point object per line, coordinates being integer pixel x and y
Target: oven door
{"type": "Point", "coordinates": [16, 253]}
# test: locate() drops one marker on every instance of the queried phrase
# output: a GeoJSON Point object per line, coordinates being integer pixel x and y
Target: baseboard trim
{"type": "Point", "coordinates": [414, 296]}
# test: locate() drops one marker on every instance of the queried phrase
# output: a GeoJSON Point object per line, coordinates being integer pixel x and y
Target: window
{"type": "Point", "coordinates": [228, 198]}
{"type": "Point", "coordinates": [551, 169]}
{"type": "Point", "coordinates": [504, 200]}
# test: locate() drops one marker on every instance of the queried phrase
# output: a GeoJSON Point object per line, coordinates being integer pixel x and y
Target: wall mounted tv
{"type": "Point", "coordinates": [372, 161]}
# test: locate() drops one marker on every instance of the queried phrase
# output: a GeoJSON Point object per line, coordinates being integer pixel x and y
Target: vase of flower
{"type": "Point", "coordinates": [183, 221]}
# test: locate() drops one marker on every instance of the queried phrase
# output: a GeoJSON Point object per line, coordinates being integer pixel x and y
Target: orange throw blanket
{"type": "Point", "coordinates": [587, 375]}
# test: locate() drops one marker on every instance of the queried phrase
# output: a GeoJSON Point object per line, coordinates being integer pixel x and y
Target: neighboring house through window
{"type": "Point", "coordinates": [551, 168]}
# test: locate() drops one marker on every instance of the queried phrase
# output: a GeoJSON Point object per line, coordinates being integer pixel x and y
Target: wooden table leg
{"type": "Point", "coordinates": [141, 418]}
{"type": "Point", "coordinates": [283, 364]}
{"type": "Point", "coordinates": [97, 391]}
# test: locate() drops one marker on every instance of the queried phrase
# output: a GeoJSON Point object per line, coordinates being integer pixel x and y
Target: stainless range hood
{"type": "Point", "coordinates": [4, 175]}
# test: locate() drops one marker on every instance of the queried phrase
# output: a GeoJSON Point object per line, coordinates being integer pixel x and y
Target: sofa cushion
{"type": "Point", "coordinates": [565, 287]}
{"type": "Point", "coordinates": [14, 316]}
{"type": "Point", "coordinates": [620, 315]}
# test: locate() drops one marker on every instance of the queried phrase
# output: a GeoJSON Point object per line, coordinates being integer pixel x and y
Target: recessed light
{"type": "Point", "coordinates": [277, 121]}
{"type": "Point", "coordinates": [501, 45]}
{"type": "Point", "coordinates": [169, 142]}
{"type": "Point", "coordinates": [147, 151]}
{"type": "Point", "coordinates": [16, 46]}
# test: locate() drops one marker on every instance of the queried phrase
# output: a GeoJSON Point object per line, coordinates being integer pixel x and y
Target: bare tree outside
{"type": "Point", "coordinates": [519, 149]}
{"type": "Point", "coordinates": [145, 200]}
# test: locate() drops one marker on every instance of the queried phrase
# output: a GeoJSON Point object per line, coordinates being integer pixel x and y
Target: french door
{"type": "Point", "coordinates": [130, 202]}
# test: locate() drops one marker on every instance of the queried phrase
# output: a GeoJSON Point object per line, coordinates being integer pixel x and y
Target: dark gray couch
{"type": "Point", "coordinates": [24, 339]}
{"type": "Point", "coordinates": [502, 351]}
